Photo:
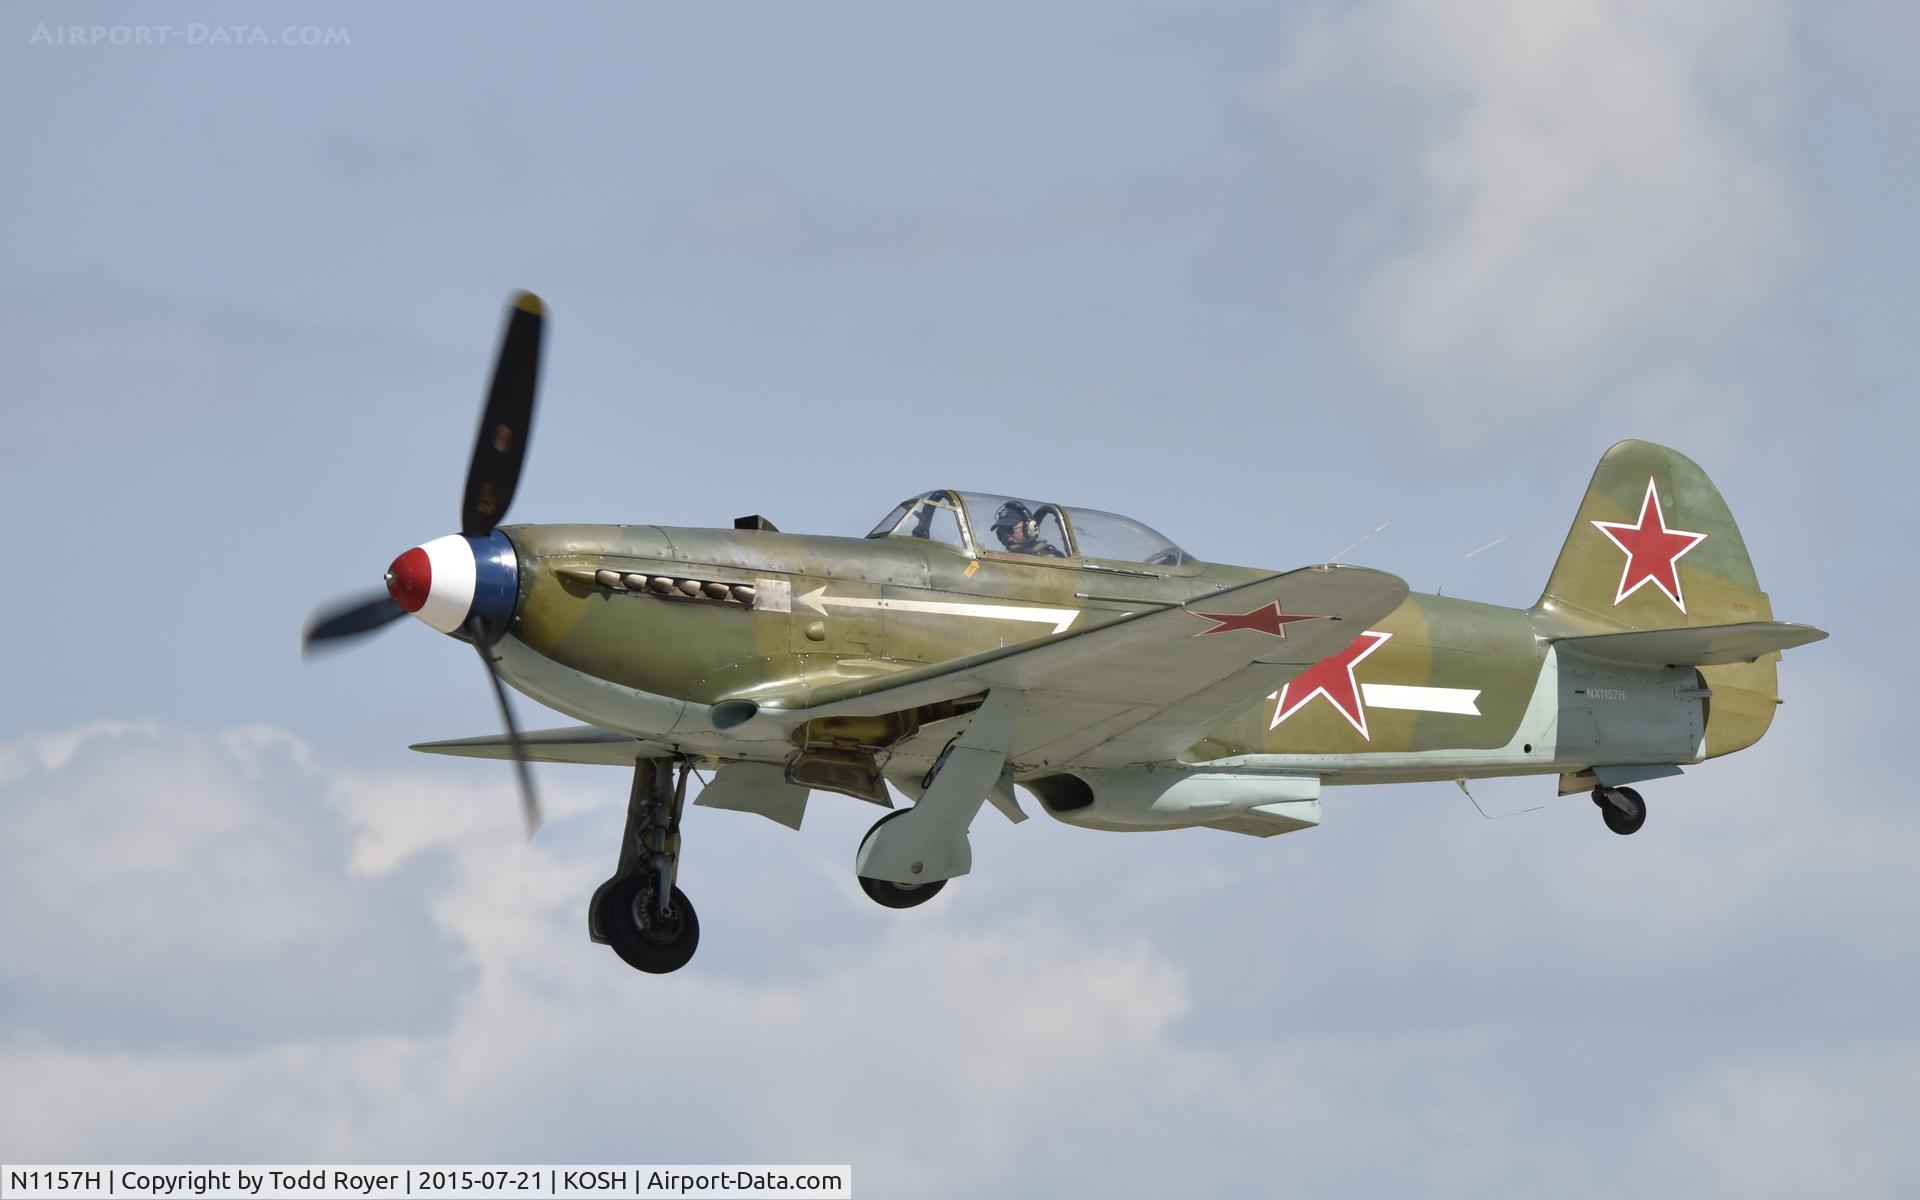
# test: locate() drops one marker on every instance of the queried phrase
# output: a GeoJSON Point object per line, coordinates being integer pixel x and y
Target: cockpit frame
{"type": "Point", "coordinates": [924, 509]}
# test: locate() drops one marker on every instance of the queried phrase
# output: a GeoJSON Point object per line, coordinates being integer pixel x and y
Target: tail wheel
{"type": "Point", "coordinates": [646, 939]}
{"type": "Point", "coordinates": [897, 895]}
{"type": "Point", "coordinates": [1621, 820]}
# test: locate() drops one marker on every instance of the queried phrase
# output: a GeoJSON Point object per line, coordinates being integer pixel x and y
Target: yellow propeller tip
{"type": "Point", "coordinates": [529, 303]}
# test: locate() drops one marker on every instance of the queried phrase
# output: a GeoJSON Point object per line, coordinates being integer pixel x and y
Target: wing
{"type": "Point", "coordinates": [578, 744]}
{"type": "Point", "coordinates": [1143, 688]}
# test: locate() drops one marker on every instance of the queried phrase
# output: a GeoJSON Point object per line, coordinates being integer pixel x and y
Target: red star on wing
{"type": "Point", "coordinates": [1266, 619]}
{"type": "Point", "coordinates": [1332, 677]}
{"type": "Point", "coordinates": [1653, 551]}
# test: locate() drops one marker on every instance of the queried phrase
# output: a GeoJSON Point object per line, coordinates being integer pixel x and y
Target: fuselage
{"type": "Point", "coordinates": [645, 629]}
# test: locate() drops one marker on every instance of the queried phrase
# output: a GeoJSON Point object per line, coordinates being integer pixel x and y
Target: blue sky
{"type": "Point", "coordinates": [1264, 276]}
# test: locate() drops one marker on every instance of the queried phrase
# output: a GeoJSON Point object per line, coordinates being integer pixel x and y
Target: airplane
{"type": "Point", "coordinates": [970, 643]}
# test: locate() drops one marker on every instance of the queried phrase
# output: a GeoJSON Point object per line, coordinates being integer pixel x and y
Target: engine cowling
{"type": "Point", "coordinates": [1135, 800]}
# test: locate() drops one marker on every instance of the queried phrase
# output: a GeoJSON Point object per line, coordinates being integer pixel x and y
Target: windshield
{"type": "Point", "coordinates": [934, 517]}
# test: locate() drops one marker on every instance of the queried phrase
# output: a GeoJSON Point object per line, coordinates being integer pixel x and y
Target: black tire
{"type": "Point", "coordinates": [896, 895]}
{"type": "Point", "coordinates": [661, 945]}
{"type": "Point", "coordinates": [1623, 823]}
{"type": "Point", "coordinates": [900, 895]}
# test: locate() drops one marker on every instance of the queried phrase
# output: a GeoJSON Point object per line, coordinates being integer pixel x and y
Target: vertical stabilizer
{"type": "Point", "coordinates": [1654, 547]}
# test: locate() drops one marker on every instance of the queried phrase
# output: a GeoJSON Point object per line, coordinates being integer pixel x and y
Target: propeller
{"type": "Point", "coordinates": [499, 450]}
{"type": "Point", "coordinates": [501, 445]}
{"type": "Point", "coordinates": [350, 619]}
{"type": "Point", "coordinates": [529, 801]}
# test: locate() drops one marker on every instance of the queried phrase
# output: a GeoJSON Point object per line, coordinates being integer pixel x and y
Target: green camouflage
{"type": "Point", "coordinates": [1485, 661]}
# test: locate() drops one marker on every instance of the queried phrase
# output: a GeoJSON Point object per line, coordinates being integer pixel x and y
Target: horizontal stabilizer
{"type": "Point", "coordinates": [577, 744]}
{"type": "Point", "coordinates": [1694, 645]}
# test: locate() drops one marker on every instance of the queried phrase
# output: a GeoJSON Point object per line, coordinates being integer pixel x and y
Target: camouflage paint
{"type": "Point", "coordinates": [705, 651]}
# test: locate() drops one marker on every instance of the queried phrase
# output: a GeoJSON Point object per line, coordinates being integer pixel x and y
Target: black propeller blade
{"type": "Point", "coordinates": [498, 452]}
{"type": "Point", "coordinates": [350, 619]}
{"type": "Point", "coordinates": [529, 802]}
{"type": "Point", "coordinates": [501, 444]}
{"type": "Point", "coordinates": [499, 448]}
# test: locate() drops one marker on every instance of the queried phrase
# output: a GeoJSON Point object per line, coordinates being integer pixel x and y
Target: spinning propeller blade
{"type": "Point", "coordinates": [501, 445]}
{"type": "Point", "coordinates": [529, 802]}
{"type": "Point", "coordinates": [350, 619]}
{"type": "Point", "coordinates": [499, 449]}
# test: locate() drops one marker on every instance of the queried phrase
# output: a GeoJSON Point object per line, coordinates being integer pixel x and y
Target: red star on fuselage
{"type": "Point", "coordinates": [1332, 677]}
{"type": "Point", "coordinates": [1266, 619]}
{"type": "Point", "coordinates": [1653, 551]}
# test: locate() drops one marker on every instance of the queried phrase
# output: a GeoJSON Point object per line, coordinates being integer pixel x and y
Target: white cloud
{"type": "Point", "coordinates": [935, 1056]}
{"type": "Point", "coordinates": [1594, 181]}
{"type": "Point", "coordinates": [168, 886]}
{"type": "Point", "coordinates": [1790, 1126]}
{"type": "Point", "coordinates": [1114, 1039]}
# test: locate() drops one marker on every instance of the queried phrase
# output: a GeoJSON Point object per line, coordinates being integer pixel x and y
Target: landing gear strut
{"type": "Point", "coordinates": [907, 855]}
{"type": "Point", "coordinates": [1621, 808]}
{"type": "Point", "coordinates": [640, 913]}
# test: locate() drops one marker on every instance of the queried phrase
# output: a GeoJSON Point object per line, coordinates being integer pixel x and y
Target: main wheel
{"type": "Point", "coordinates": [896, 895]}
{"type": "Point", "coordinates": [900, 895]}
{"type": "Point", "coordinates": [630, 919]}
{"type": "Point", "coordinates": [1621, 822]}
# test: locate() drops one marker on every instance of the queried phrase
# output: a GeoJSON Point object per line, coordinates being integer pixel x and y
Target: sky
{"type": "Point", "coordinates": [1265, 276]}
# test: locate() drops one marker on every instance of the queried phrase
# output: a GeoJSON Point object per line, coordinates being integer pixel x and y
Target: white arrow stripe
{"type": "Point", "coordinates": [1059, 618]}
{"type": "Point", "coordinates": [1422, 699]}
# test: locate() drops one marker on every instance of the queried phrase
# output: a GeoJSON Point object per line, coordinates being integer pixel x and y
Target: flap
{"type": "Point", "coordinates": [576, 744]}
{"type": "Point", "coordinates": [1694, 645]}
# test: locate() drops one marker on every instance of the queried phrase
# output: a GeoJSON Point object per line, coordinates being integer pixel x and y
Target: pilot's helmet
{"type": "Point", "coordinates": [1012, 513]}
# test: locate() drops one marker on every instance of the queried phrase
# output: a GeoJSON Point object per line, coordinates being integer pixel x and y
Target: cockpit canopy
{"type": "Point", "coordinates": [975, 522]}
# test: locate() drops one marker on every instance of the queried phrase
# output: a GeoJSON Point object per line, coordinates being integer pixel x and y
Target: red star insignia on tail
{"type": "Point", "coordinates": [1332, 677]}
{"type": "Point", "coordinates": [1653, 551]}
{"type": "Point", "coordinates": [1266, 619]}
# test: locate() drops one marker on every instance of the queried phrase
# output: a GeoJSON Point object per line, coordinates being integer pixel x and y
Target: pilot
{"type": "Point", "coordinates": [1019, 532]}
